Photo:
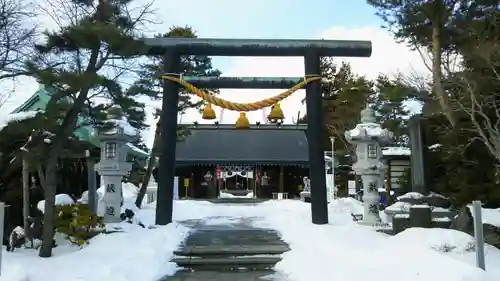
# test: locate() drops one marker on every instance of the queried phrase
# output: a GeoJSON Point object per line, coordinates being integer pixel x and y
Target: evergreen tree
{"type": "Point", "coordinates": [343, 99]}
{"type": "Point", "coordinates": [425, 25]}
{"type": "Point", "coordinates": [88, 53]}
{"type": "Point", "coordinates": [149, 84]}
{"type": "Point", "coordinates": [389, 105]}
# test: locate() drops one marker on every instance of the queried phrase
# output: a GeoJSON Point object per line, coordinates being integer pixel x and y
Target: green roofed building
{"type": "Point", "coordinates": [39, 101]}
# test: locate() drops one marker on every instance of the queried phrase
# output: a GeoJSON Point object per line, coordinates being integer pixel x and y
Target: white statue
{"type": "Point", "coordinates": [307, 184]}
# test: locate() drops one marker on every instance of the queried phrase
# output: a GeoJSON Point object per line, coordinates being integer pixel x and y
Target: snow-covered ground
{"type": "Point", "coordinates": [340, 250]}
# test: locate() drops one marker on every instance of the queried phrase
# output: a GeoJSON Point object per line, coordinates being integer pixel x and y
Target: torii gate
{"type": "Point", "coordinates": [173, 48]}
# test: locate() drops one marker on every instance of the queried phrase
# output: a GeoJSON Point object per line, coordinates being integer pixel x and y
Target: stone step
{"type": "Point", "coordinates": [237, 192]}
{"type": "Point", "coordinates": [237, 200]}
{"type": "Point", "coordinates": [204, 275]}
{"type": "Point", "coordinates": [228, 251]}
{"type": "Point", "coordinates": [226, 263]}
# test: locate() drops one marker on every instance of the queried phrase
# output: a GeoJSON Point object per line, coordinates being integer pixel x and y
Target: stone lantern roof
{"type": "Point", "coordinates": [368, 130]}
{"type": "Point", "coordinates": [117, 125]}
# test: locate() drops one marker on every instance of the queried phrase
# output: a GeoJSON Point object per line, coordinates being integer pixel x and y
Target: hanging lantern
{"type": "Point", "coordinates": [208, 112]}
{"type": "Point", "coordinates": [242, 122]}
{"type": "Point", "coordinates": [276, 115]}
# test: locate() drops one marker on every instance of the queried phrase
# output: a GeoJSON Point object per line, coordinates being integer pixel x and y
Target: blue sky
{"type": "Point", "coordinates": [299, 19]}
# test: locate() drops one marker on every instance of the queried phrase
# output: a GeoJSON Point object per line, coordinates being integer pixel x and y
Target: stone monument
{"type": "Point", "coordinates": [305, 194]}
{"type": "Point", "coordinates": [368, 136]}
{"type": "Point", "coordinates": [418, 155]}
{"type": "Point", "coordinates": [113, 165]}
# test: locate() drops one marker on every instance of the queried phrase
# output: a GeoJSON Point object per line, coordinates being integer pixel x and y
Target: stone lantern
{"type": "Point", "coordinates": [368, 137]}
{"type": "Point", "coordinates": [113, 165]}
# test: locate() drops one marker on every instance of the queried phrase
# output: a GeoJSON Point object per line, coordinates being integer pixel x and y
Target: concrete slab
{"type": "Point", "coordinates": [259, 275]}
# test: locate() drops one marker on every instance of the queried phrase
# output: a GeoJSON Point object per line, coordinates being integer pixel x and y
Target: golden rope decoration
{"type": "Point", "coordinates": [210, 98]}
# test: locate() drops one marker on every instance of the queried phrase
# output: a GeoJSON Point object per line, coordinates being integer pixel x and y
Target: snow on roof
{"type": "Point", "coordinates": [13, 117]}
{"type": "Point", "coordinates": [117, 118]}
{"type": "Point", "coordinates": [411, 195]}
{"type": "Point", "coordinates": [396, 150]}
{"type": "Point", "coordinates": [370, 129]}
{"type": "Point", "coordinates": [127, 128]}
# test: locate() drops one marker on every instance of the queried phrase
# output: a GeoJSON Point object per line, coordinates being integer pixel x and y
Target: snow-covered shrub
{"type": "Point", "coordinates": [77, 223]}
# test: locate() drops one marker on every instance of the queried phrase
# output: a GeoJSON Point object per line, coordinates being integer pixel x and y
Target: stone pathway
{"type": "Point", "coordinates": [228, 252]}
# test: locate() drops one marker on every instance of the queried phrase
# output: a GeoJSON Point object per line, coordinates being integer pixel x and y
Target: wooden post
{"type": "Point", "coordinates": [388, 184]}
{"type": "Point", "coordinates": [281, 180]}
{"type": "Point", "coordinates": [26, 197]}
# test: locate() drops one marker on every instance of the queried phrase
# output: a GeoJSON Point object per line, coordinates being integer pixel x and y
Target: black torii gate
{"type": "Point", "coordinates": [173, 48]}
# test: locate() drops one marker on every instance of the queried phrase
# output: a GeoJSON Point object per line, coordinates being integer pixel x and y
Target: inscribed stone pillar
{"type": "Point", "coordinates": [418, 152]}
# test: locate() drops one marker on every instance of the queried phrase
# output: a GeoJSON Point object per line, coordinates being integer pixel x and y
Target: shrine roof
{"type": "Point", "coordinates": [258, 145]}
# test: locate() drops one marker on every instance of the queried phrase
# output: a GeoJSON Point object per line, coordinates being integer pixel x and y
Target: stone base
{"type": "Point", "coordinates": [369, 223]}
{"type": "Point", "coordinates": [111, 219]}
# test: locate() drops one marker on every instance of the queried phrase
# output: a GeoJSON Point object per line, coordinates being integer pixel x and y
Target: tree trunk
{"type": "Point", "coordinates": [437, 74]}
{"type": "Point", "coordinates": [149, 171]}
{"type": "Point", "coordinates": [26, 200]}
{"type": "Point", "coordinates": [65, 131]}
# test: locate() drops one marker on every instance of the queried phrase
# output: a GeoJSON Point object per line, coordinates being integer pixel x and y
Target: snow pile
{"type": "Point", "coordinates": [395, 150]}
{"type": "Point", "coordinates": [399, 207]}
{"type": "Point", "coordinates": [137, 254]}
{"type": "Point", "coordinates": [229, 195]}
{"type": "Point", "coordinates": [346, 205]}
{"type": "Point", "coordinates": [435, 146]}
{"type": "Point", "coordinates": [61, 199]}
{"type": "Point", "coordinates": [411, 195]}
{"type": "Point", "coordinates": [356, 252]}
{"type": "Point", "coordinates": [490, 216]}
{"type": "Point", "coordinates": [455, 244]}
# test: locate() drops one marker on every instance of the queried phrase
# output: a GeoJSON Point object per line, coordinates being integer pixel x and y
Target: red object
{"type": "Point", "coordinates": [256, 175]}
{"type": "Point", "coordinates": [218, 172]}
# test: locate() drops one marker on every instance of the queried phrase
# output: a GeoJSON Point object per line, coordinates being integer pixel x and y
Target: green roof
{"type": "Point", "coordinates": [39, 101]}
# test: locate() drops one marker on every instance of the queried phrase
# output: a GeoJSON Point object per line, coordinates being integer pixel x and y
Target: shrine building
{"type": "Point", "coordinates": [263, 159]}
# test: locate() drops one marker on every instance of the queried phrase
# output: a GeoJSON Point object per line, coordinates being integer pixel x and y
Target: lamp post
{"type": "Point", "coordinates": [332, 139]}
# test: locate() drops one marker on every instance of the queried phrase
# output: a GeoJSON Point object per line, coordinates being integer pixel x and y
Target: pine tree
{"type": "Point", "coordinates": [425, 25]}
{"type": "Point", "coordinates": [150, 84]}
{"type": "Point", "coordinates": [389, 105]}
{"type": "Point", "coordinates": [90, 51]}
{"type": "Point", "coordinates": [343, 99]}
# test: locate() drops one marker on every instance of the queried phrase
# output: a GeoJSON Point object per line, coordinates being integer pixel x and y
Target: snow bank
{"type": "Point", "coordinates": [138, 254]}
{"type": "Point", "coordinates": [229, 195]}
{"type": "Point", "coordinates": [452, 243]}
{"type": "Point", "coordinates": [341, 250]}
